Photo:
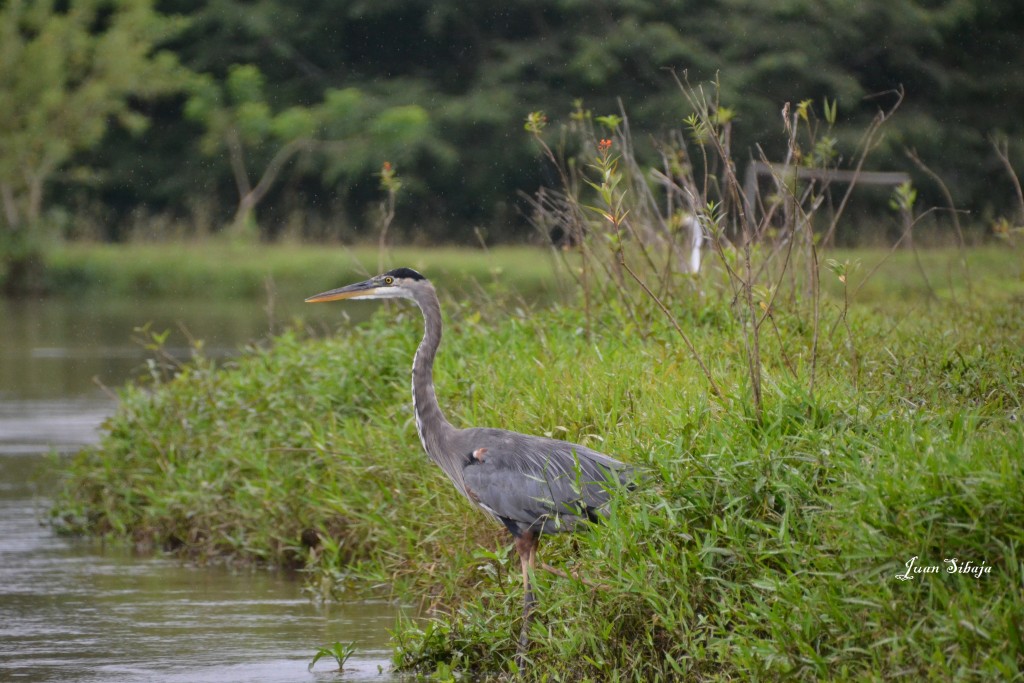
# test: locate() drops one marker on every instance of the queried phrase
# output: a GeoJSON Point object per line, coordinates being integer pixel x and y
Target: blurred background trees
{"type": "Point", "coordinates": [67, 71]}
{"type": "Point", "coordinates": [319, 94]}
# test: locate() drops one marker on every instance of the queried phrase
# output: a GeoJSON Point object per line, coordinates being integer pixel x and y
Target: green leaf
{"type": "Point", "coordinates": [245, 84]}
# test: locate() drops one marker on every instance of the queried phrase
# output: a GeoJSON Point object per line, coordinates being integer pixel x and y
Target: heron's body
{"type": "Point", "coordinates": [533, 485]}
{"type": "Point", "coordinates": [536, 484]}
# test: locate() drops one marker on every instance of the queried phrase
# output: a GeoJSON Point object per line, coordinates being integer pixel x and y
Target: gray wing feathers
{"type": "Point", "coordinates": [544, 484]}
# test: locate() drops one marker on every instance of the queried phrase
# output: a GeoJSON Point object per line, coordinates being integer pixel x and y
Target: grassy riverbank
{"type": "Point", "coordinates": [752, 549]}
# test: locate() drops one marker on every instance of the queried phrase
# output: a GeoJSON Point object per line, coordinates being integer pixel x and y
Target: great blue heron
{"type": "Point", "coordinates": [532, 485]}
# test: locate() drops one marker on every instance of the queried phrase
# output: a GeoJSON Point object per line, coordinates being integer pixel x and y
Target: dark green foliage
{"type": "Point", "coordinates": [478, 69]}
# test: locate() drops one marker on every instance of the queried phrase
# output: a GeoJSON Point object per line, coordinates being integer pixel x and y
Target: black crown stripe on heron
{"type": "Point", "coordinates": [533, 485]}
{"type": "Point", "coordinates": [405, 273]}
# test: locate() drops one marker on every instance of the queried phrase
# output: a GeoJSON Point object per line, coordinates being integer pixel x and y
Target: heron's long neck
{"type": "Point", "coordinates": [435, 432]}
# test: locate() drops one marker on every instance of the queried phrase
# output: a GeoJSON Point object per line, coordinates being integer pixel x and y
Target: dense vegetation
{"type": "Point", "coordinates": [285, 111]}
{"type": "Point", "coordinates": [755, 547]}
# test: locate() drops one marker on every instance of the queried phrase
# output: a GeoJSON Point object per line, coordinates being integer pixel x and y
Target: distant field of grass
{"type": "Point", "coordinates": [881, 275]}
{"type": "Point", "coordinates": [753, 549]}
{"type": "Point", "coordinates": [226, 271]}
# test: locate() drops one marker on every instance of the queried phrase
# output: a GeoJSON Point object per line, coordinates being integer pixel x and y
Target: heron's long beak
{"type": "Point", "coordinates": [359, 290]}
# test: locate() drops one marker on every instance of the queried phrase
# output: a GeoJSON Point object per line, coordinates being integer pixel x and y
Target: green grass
{"type": "Point", "coordinates": [750, 550]}
{"type": "Point", "coordinates": [225, 271]}
{"type": "Point", "coordinates": [886, 278]}
{"type": "Point", "coordinates": [250, 289]}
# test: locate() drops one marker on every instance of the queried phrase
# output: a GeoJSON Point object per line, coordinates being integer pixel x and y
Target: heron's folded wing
{"type": "Point", "coordinates": [537, 488]}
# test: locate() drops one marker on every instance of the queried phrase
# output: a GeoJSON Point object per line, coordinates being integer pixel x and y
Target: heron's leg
{"type": "Point", "coordinates": [526, 546]}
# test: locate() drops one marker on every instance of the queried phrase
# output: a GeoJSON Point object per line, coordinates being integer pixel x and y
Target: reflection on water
{"type": "Point", "coordinates": [56, 348]}
{"type": "Point", "coordinates": [73, 611]}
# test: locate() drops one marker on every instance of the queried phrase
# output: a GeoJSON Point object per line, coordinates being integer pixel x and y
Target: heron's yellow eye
{"type": "Point", "coordinates": [389, 280]}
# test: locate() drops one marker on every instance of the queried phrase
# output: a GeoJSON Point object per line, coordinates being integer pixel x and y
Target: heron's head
{"type": "Point", "coordinates": [394, 284]}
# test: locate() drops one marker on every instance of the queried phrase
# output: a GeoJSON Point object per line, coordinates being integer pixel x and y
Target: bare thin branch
{"type": "Point", "coordinates": [1002, 147]}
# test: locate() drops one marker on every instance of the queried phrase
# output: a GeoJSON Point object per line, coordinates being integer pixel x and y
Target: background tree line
{"type": "Point", "coordinates": [275, 117]}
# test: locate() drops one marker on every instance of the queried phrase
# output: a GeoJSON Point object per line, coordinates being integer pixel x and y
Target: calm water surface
{"type": "Point", "coordinates": [71, 610]}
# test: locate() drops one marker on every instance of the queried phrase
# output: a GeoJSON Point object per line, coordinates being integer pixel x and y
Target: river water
{"type": "Point", "coordinates": [73, 610]}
